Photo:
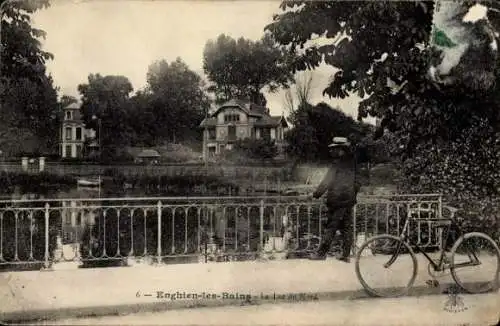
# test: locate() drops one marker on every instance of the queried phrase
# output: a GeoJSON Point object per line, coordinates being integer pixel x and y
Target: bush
{"type": "Point", "coordinates": [33, 183]}
{"type": "Point", "coordinates": [179, 185]}
{"type": "Point", "coordinates": [481, 215]}
{"type": "Point", "coordinates": [264, 149]}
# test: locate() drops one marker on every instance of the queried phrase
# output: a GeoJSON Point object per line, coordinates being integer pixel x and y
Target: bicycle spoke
{"type": "Point", "coordinates": [382, 269]}
{"type": "Point", "coordinates": [476, 263]}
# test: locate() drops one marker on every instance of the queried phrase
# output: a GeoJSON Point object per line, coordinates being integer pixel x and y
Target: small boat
{"type": "Point", "coordinates": [89, 182]}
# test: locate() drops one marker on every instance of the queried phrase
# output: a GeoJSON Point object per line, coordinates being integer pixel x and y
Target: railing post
{"type": "Point", "coordinates": [158, 253]}
{"type": "Point", "coordinates": [47, 254]}
{"type": "Point", "coordinates": [440, 208]}
{"type": "Point", "coordinates": [261, 227]}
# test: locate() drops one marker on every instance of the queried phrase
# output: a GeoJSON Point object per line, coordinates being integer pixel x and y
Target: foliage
{"type": "Point", "coordinates": [315, 127]}
{"type": "Point", "coordinates": [22, 54]}
{"type": "Point", "coordinates": [105, 101]}
{"type": "Point", "coordinates": [166, 185]}
{"type": "Point", "coordinates": [301, 93]}
{"type": "Point", "coordinates": [481, 215]}
{"type": "Point", "coordinates": [172, 106]}
{"type": "Point", "coordinates": [67, 100]}
{"type": "Point", "coordinates": [169, 109]}
{"type": "Point", "coordinates": [447, 135]}
{"type": "Point", "coordinates": [241, 68]}
{"type": "Point", "coordinates": [264, 149]}
{"type": "Point", "coordinates": [40, 183]}
{"type": "Point", "coordinates": [29, 98]}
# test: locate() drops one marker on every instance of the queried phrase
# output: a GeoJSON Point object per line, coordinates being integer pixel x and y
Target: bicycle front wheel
{"type": "Point", "coordinates": [475, 263]}
{"type": "Point", "coordinates": [386, 266]}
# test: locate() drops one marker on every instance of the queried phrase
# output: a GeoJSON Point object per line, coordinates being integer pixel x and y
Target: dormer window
{"type": "Point", "coordinates": [68, 115]}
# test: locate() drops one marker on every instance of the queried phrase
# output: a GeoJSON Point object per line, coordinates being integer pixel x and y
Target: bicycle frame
{"type": "Point", "coordinates": [440, 264]}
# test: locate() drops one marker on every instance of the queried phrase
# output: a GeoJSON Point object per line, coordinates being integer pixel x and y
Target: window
{"type": "Point", "coordinates": [211, 133]}
{"type": "Point", "coordinates": [68, 115]}
{"type": "Point", "coordinates": [78, 150]}
{"type": "Point", "coordinates": [78, 133]}
{"type": "Point", "coordinates": [68, 151]}
{"type": "Point", "coordinates": [231, 118]}
{"type": "Point", "coordinates": [68, 133]}
{"type": "Point", "coordinates": [266, 133]}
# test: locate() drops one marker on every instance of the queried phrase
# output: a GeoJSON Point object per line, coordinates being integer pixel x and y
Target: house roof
{"type": "Point", "coordinates": [249, 108]}
{"type": "Point", "coordinates": [252, 109]}
{"type": "Point", "coordinates": [208, 122]}
{"type": "Point", "coordinates": [274, 120]}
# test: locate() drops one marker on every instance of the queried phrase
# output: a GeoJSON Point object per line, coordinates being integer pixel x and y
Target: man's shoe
{"type": "Point", "coordinates": [344, 259]}
{"type": "Point", "coordinates": [317, 256]}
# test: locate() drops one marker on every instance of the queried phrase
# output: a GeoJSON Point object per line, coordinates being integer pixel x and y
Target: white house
{"type": "Point", "coordinates": [235, 120]}
{"type": "Point", "coordinates": [73, 132]}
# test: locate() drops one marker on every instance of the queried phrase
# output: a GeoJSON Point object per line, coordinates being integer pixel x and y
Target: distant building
{"type": "Point", "coordinates": [73, 132]}
{"type": "Point", "coordinates": [237, 120]}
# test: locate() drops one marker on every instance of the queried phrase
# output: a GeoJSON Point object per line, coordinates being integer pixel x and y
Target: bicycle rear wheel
{"type": "Point", "coordinates": [475, 276]}
{"type": "Point", "coordinates": [386, 266]}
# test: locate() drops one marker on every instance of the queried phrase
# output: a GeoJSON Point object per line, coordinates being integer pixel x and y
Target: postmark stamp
{"type": "Point", "coordinates": [454, 303]}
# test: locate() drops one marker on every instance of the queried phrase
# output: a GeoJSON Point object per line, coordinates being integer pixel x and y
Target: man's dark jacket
{"type": "Point", "coordinates": [341, 184]}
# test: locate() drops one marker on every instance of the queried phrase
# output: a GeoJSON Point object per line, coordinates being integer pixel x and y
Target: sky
{"type": "Point", "coordinates": [123, 37]}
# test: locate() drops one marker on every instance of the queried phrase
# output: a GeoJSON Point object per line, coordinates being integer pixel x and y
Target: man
{"type": "Point", "coordinates": [341, 186]}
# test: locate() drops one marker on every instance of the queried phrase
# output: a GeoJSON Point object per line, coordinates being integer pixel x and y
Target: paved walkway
{"type": "Point", "coordinates": [105, 291]}
{"type": "Point", "coordinates": [480, 310]}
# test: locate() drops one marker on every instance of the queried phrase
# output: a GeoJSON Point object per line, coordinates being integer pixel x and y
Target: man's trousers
{"type": "Point", "coordinates": [338, 218]}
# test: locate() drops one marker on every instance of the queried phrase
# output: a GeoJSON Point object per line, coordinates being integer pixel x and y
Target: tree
{"type": "Point", "coordinates": [301, 93]}
{"type": "Point", "coordinates": [28, 95]}
{"type": "Point", "coordinates": [30, 108]}
{"type": "Point", "coordinates": [105, 108]}
{"type": "Point", "coordinates": [143, 120]}
{"type": "Point", "coordinates": [315, 127]}
{"type": "Point", "coordinates": [22, 54]}
{"type": "Point", "coordinates": [242, 68]}
{"type": "Point", "coordinates": [377, 49]}
{"type": "Point", "coordinates": [67, 100]}
{"type": "Point", "coordinates": [174, 101]}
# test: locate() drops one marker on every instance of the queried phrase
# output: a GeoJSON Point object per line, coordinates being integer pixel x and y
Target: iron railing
{"type": "Point", "coordinates": [190, 229]}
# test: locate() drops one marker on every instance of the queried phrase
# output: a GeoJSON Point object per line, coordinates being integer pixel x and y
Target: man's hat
{"type": "Point", "coordinates": [339, 141]}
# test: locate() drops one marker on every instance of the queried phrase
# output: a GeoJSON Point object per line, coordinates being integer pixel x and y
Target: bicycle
{"type": "Point", "coordinates": [393, 248]}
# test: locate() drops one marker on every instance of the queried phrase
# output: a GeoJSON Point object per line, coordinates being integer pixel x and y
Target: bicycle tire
{"type": "Point", "coordinates": [494, 283]}
{"type": "Point", "coordinates": [375, 292]}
